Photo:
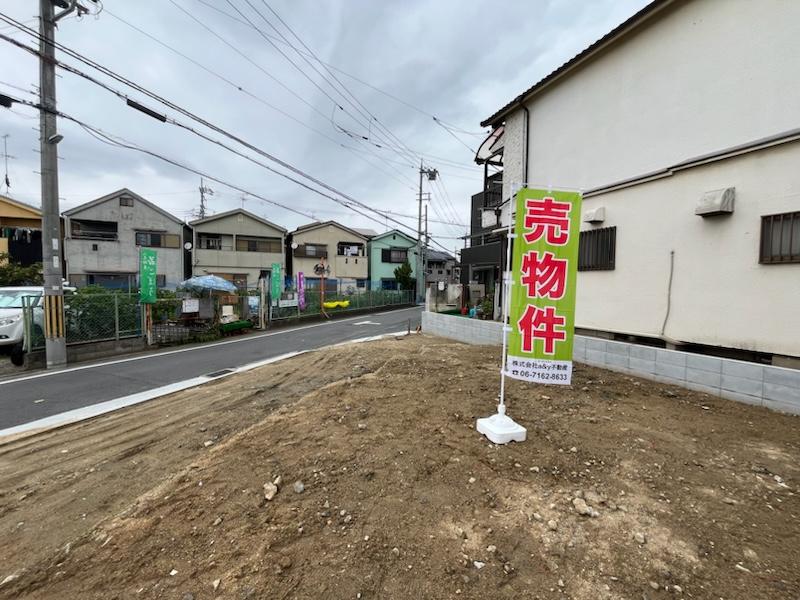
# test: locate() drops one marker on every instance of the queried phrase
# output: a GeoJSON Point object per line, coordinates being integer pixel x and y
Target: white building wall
{"type": "Point", "coordinates": [702, 76]}
{"type": "Point", "coordinates": [721, 295]}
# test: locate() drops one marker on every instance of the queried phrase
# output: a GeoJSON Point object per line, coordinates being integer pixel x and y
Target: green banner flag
{"type": "Point", "coordinates": [544, 273]}
{"type": "Point", "coordinates": [148, 259]}
{"type": "Point", "coordinates": [276, 280]}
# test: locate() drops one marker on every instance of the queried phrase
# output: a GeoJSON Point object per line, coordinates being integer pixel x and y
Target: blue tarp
{"type": "Point", "coordinates": [209, 282]}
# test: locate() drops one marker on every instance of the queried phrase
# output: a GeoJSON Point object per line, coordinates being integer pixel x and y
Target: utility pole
{"type": "Point", "coordinates": [432, 175]}
{"type": "Point", "coordinates": [6, 156]}
{"type": "Point", "coordinates": [55, 341]}
{"type": "Point", "coordinates": [203, 191]}
{"type": "Point", "coordinates": [425, 255]}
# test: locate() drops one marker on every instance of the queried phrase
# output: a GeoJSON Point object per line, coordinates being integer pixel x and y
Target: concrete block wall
{"type": "Point", "coordinates": [777, 388]}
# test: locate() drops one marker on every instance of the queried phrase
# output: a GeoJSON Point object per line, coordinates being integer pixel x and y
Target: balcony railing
{"type": "Point", "coordinates": [88, 234]}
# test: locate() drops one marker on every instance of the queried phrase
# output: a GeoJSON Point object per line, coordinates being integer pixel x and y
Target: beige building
{"type": "Point", "coordinates": [238, 246]}
{"type": "Point", "coordinates": [340, 249]}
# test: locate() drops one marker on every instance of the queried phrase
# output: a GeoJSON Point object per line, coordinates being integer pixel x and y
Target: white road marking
{"type": "Point", "coordinates": [95, 410]}
{"type": "Point", "coordinates": [192, 349]}
{"type": "Point", "coordinates": [366, 323]}
{"type": "Point", "coordinates": [38, 401]}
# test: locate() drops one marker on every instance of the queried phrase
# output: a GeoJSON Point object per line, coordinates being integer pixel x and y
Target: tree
{"type": "Point", "coordinates": [402, 276]}
{"type": "Point", "coordinates": [13, 273]}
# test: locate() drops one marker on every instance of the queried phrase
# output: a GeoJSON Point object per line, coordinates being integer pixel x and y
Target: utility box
{"type": "Point", "coordinates": [716, 202]}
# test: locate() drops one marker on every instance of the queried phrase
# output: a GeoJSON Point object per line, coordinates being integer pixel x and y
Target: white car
{"type": "Point", "coordinates": [12, 324]}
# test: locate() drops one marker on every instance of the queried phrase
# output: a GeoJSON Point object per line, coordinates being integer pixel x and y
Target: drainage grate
{"type": "Point", "coordinates": [219, 373]}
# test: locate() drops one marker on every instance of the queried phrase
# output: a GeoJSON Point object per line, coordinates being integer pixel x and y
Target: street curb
{"type": "Point", "coordinates": [78, 415]}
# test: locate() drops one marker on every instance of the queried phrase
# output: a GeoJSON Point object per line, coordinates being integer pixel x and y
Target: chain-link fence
{"type": "Point", "coordinates": [106, 317]}
{"type": "Point", "coordinates": [87, 318]}
{"type": "Point", "coordinates": [333, 303]}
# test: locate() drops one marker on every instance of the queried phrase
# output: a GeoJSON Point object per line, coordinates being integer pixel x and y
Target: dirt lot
{"type": "Point", "coordinates": [694, 497]}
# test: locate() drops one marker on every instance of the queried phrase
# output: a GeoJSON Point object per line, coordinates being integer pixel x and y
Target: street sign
{"type": "Point", "coordinates": [544, 271]}
{"type": "Point", "coordinates": [276, 280]}
{"type": "Point", "coordinates": [148, 259]}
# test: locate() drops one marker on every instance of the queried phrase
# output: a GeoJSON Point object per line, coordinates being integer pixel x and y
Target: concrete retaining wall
{"type": "Point", "coordinates": [761, 385]}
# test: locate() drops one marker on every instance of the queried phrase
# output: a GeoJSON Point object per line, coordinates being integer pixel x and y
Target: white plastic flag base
{"type": "Point", "coordinates": [500, 428]}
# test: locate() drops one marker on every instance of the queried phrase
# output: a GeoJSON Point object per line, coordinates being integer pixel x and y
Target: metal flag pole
{"type": "Point", "coordinates": [508, 281]}
{"type": "Point", "coordinates": [500, 428]}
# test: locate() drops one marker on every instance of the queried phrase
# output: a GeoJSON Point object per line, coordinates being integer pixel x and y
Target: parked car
{"type": "Point", "coordinates": [12, 323]}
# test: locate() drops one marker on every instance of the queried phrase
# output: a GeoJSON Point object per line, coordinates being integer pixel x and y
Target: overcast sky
{"type": "Point", "coordinates": [459, 60]}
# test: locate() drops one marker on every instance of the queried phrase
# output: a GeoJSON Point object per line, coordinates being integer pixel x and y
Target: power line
{"type": "Point", "coordinates": [279, 82]}
{"type": "Point", "coordinates": [191, 116]}
{"type": "Point", "coordinates": [401, 148]}
{"type": "Point", "coordinates": [357, 79]}
{"type": "Point", "coordinates": [350, 202]}
{"type": "Point", "coordinates": [366, 112]}
{"type": "Point", "coordinates": [120, 142]}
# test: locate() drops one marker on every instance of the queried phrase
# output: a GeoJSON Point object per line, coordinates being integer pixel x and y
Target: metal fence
{"type": "Point", "coordinates": [87, 318]}
{"type": "Point", "coordinates": [338, 303]}
{"type": "Point", "coordinates": [106, 317]}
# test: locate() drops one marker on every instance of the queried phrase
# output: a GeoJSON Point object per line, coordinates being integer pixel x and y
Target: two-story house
{"type": "Point", "coordinates": [342, 251]}
{"type": "Point", "coordinates": [685, 146]}
{"type": "Point", "coordinates": [103, 237]}
{"type": "Point", "coordinates": [238, 246]}
{"type": "Point", "coordinates": [388, 251]}
{"type": "Point", "coordinates": [440, 266]}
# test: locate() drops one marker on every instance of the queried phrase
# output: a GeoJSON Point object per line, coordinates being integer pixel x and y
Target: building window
{"type": "Point", "coordinates": [149, 239]}
{"type": "Point", "coordinates": [394, 255]}
{"type": "Point", "coordinates": [93, 230]}
{"type": "Point", "coordinates": [350, 249]}
{"type": "Point", "coordinates": [388, 284]}
{"type": "Point", "coordinates": [597, 249]}
{"type": "Point", "coordinates": [125, 201]}
{"type": "Point", "coordinates": [209, 241]}
{"type": "Point", "coordinates": [361, 283]}
{"type": "Point", "coordinates": [780, 238]}
{"type": "Point", "coordinates": [258, 244]}
{"type": "Point", "coordinates": [161, 281]}
{"type": "Point", "coordinates": [112, 281]}
{"type": "Point", "coordinates": [311, 251]}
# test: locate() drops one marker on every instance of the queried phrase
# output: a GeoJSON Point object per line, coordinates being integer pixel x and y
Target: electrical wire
{"type": "Point", "coordinates": [349, 200]}
{"type": "Point", "coordinates": [347, 93]}
{"type": "Point", "coordinates": [357, 79]}
{"type": "Point", "coordinates": [349, 203]}
{"type": "Point", "coordinates": [120, 142]}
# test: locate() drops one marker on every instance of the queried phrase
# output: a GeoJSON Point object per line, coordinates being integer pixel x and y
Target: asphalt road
{"type": "Point", "coordinates": [45, 394]}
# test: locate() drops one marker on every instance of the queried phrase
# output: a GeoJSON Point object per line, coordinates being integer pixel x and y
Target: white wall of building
{"type": "Point", "coordinates": [721, 295]}
{"type": "Point", "coordinates": [701, 76]}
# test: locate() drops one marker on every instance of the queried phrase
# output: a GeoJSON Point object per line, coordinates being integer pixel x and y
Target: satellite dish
{"type": "Point", "coordinates": [294, 245]}
{"type": "Point", "coordinates": [187, 246]}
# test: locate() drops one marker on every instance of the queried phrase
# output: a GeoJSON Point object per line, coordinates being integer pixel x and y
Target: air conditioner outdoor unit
{"type": "Point", "coordinates": [596, 215]}
{"type": "Point", "coordinates": [716, 202]}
